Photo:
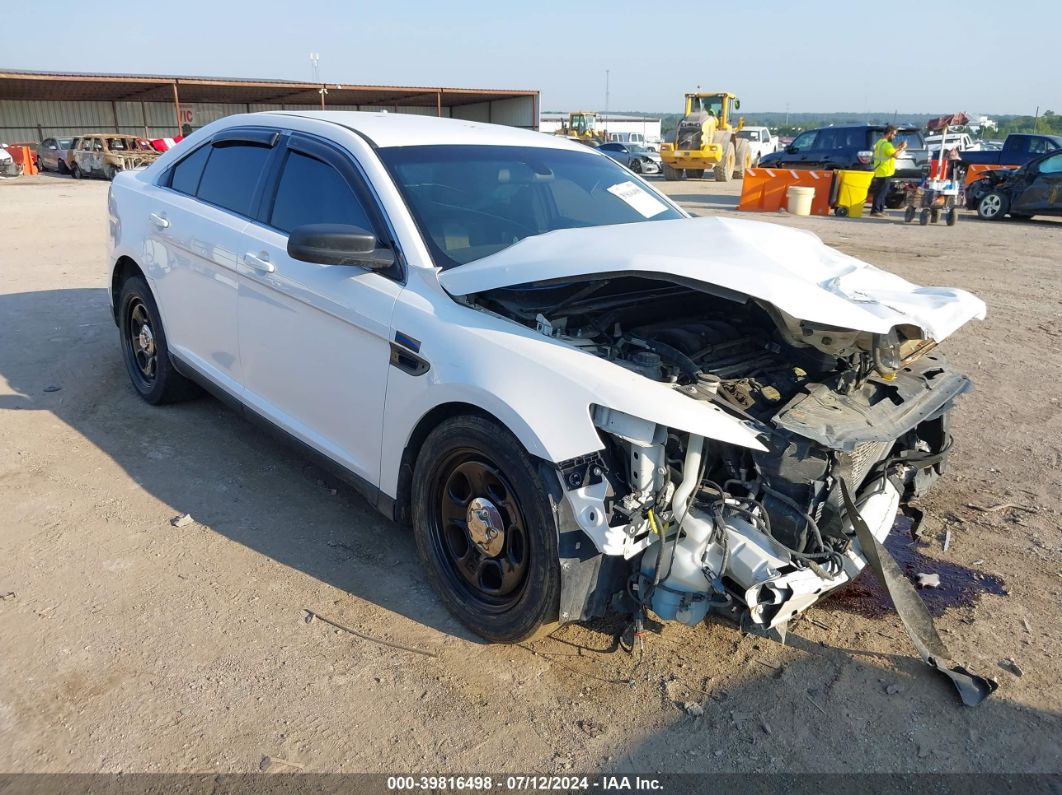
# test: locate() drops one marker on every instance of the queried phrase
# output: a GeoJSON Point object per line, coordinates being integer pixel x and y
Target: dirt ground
{"type": "Point", "coordinates": [128, 644]}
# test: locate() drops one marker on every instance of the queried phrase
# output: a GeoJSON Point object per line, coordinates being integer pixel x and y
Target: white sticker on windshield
{"type": "Point", "coordinates": [642, 202]}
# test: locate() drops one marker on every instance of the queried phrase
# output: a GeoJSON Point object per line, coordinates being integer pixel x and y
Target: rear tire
{"type": "Point", "coordinates": [952, 216]}
{"type": "Point", "coordinates": [672, 174]}
{"type": "Point", "coordinates": [923, 217]}
{"type": "Point", "coordinates": [909, 214]}
{"type": "Point", "coordinates": [993, 206]}
{"type": "Point", "coordinates": [498, 574]}
{"type": "Point", "coordinates": [144, 348]}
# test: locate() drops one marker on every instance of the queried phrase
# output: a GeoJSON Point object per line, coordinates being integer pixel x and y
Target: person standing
{"type": "Point", "coordinates": [885, 153]}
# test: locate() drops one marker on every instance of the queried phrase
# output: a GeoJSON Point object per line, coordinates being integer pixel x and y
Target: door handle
{"type": "Point", "coordinates": [159, 220]}
{"type": "Point", "coordinates": [260, 264]}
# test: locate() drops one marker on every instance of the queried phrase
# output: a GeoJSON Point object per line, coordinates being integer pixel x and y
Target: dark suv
{"type": "Point", "coordinates": [852, 147]}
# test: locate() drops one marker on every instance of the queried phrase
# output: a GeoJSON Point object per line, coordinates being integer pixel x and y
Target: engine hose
{"type": "Point", "coordinates": [785, 499]}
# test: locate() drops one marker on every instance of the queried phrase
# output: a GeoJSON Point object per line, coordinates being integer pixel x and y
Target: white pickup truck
{"type": "Point", "coordinates": [761, 141]}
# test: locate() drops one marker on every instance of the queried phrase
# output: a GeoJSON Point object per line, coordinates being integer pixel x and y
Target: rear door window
{"type": "Point", "coordinates": [231, 176]}
{"type": "Point", "coordinates": [186, 174]}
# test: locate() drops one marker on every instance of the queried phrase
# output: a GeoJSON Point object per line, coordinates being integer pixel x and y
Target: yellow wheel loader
{"type": "Point", "coordinates": [582, 126]}
{"type": "Point", "coordinates": [706, 140]}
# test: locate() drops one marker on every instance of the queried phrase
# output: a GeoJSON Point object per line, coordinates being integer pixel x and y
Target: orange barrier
{"type": "Point", "coordinates": [975, 171]}
{"type": "Point", "coordinates": [764, 189]}
{"type": "Point", "coordinates": [24, 156]}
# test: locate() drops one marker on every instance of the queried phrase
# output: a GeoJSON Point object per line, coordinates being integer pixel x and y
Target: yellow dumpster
{"type": "Point", "coordinates": [852, 187]}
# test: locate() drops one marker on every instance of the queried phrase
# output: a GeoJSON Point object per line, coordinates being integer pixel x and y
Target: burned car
{"type": "Point", "coordinates": [1033, 189]}
{"type": "Point", "coordinates": [107, 154]}
{"type": "Point", "coordinates": [570, 388]}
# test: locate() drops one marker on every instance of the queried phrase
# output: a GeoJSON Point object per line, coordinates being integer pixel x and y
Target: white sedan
{"type": "Point", "coordinates": [569, 387]}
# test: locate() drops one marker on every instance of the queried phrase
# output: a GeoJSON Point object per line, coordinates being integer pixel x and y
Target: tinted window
{"type": "Point", "coordinates": [231, 175]}
{"type": "Point", "coordinates": [186, 174]}
{"type": "Point", "coordinates": [610, 148]}
{"type": "Point", "coordinates": [312, 192]}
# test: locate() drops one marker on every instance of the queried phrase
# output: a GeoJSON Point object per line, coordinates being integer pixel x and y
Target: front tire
{"type": "Point", "coordinates": [636, 166]}
{"type": "Point", "coordinates": [485, 530]}
{"type": "Point", "coordinates": [144, 348]}
{"type": "Point", "coordinates": [725, 167]}
{"type": "Point", "coordinates": [75, 171]}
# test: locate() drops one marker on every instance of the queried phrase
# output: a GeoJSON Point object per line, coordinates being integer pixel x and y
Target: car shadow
{"type": "Point", "coordinates": [816, 717]}
{"type": "Point", "coordinates": [204, 459]}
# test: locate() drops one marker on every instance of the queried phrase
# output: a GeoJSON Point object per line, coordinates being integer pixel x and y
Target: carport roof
{"type": "Point", "coordinates": [75, 86]}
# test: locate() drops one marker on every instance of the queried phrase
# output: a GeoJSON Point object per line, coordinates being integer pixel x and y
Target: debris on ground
{"type": "Point", "coordinates": [182, 520]}
{"type": "Point", "coordinates": [1009, 665]}
{"type": "Point", "coordinates": [591, 728]}
{"type": "Point", "coordinates": [311, 615]}
{"type": "Point", "coordinates": [1028, 627]}
{"type": "Point", "coordinates": [928, 580]}
{"type": "Point", "coordinates": [1003, 506]}
{"type": "Point", "coordinates": [692, 708]}
{"type": "Point", "coordinates": [947, 540]}
{"type": "Point", "coordinates": [273, 764]}
{"type": "Point", "coordinates": [6, 596]}
{"type": "Point", "coordinates": [894, 690]}
{"type": "Point", "coordinates": [52, 388]}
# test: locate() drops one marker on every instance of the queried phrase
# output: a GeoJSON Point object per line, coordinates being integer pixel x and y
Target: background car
{"type": "Point", "coordinates": [1033, 189]}
{"type": "Point", "coordinates": [852, 147]}
{"type": "Point", "coordinates": [107, 154]}
{"type": "Point", "coordinates": [635, 157]}
{"type": "Point", "coordinates": [761, 142]}
{"type": "Point", "coordinates": [52, 154]}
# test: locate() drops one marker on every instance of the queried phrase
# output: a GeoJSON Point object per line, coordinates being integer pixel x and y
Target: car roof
{"type": "Point", "coordinates": [407, 129]}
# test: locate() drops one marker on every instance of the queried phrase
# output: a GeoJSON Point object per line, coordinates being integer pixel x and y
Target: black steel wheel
{"type": "Point", "coordinates": [147, 358]}
{"type": "Point", "coordinates": [485, 530]}
{"type": "Point", "coordinates": [923, 217]}
{"type": "Point", "coordinates": [636, 166]}
{"type": "Point", "coordinates": [909, 214]}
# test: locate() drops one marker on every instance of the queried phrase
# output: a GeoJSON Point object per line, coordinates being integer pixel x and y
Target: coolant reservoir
{"type": "Point", "coordinates": [683, 594]}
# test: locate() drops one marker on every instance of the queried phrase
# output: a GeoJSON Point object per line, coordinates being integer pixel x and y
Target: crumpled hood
{"type": "Point", "coordinates": [789, 268]}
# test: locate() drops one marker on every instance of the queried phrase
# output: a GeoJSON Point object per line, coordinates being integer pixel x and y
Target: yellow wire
{"type": "Point", "coordinates": [652, 522]}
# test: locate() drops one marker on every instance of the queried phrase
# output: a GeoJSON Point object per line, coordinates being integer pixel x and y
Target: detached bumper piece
{"type": "Point", "coordinates": [973, 689]}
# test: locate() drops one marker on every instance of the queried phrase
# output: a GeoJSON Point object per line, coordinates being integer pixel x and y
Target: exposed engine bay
{"type": "Point", "coordinates": [758, 535]}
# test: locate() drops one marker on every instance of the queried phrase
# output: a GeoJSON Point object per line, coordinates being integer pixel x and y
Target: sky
{"type": "Point", "coordinates": [814, 56]}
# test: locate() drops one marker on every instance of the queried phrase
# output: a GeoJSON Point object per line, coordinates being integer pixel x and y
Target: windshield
{"type": "Point", "coordinates": [64, 143]}
{"type": "Point", "coordinates": [712, 104]}
{"type": "Point", "coordinates": [473, 201]}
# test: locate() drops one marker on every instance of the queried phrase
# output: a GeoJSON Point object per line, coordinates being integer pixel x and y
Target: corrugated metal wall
{"type": "Point", "coordinates": [30, 120]}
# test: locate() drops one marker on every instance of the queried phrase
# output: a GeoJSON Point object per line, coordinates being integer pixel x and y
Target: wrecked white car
{"type": "Point", "coordinates": [571, 389]}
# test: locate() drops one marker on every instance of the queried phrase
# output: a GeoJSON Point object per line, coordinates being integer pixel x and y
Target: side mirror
{"type": "Point", "coordinates": [338, 244]}
{"type": "Point", "coordinates": [791, 150]}
{"type": "Point", "coordinates": [737, 104]}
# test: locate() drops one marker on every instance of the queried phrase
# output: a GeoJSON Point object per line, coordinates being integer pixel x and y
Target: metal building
{"type": "Point", "coordinates": [38, 105]}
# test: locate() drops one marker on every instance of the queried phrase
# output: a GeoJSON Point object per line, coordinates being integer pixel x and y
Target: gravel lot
{"type": "Point", "coordinates": [128, 644]}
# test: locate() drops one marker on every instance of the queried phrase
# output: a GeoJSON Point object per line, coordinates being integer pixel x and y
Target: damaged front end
{"type": "Point", "coordinates": [705, 526]}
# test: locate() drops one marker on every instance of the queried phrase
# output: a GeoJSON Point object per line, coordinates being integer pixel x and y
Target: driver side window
{"type": "Point", "coordinates": [1052, 165]}
{"type": "Point", "coordinates": [804, 141]}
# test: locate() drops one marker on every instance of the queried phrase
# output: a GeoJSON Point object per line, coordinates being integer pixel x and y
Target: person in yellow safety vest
{"type": "Point", "coordinates": [885, 154]}
{"type": "Point", "coordinates": [708, 128]}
